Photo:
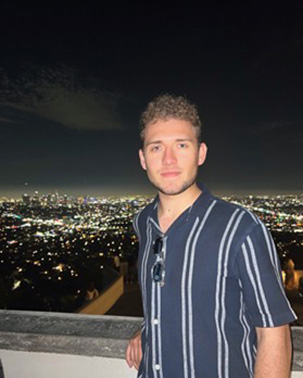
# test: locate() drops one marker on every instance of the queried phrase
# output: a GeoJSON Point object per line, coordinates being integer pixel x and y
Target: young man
{"type": "Point", "coordinates": [214, 304]}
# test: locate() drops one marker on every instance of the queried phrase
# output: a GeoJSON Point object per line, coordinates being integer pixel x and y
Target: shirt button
{"type": "Point", "coordinates": [157, 367]}
{"type": "Point", "coordinates": [156, 321]}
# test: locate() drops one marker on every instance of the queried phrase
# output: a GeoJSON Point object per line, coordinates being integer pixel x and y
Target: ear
{"type": "Point", "coordinates": [202, 153]}
{"type": "Point", "coordinates": [142, 159]}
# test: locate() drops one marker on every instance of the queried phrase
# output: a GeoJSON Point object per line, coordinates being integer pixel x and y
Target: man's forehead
{"type": "Point", "coordinates": [171, 126]}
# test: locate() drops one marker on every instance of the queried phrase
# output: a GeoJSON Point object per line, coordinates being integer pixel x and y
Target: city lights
{"type": "Point", "coordinates": [52, 246]}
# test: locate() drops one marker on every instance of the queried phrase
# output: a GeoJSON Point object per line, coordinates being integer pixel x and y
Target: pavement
{"type": "Point", "coordinates": [130, 303]}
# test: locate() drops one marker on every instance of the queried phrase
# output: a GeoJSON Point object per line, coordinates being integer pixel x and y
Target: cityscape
{"type": "Point", "coordinates": [53, 247]}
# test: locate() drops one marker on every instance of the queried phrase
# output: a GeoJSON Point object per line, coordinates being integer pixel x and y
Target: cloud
{"type": "Point", "coordinates": [268, 127]}
{"type": "Point", "coordinates": [61, 95]}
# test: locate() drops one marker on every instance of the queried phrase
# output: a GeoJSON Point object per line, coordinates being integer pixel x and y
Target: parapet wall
{"type": "Point", "coordinates": [77, 334]}
{"type": "Point", "coordinates": [49, 345]}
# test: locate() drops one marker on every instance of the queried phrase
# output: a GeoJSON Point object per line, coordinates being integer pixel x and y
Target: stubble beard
{"type": "Point", "coordinates": [178, 190]}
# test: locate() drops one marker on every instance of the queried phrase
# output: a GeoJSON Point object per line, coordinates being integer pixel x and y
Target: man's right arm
{"type": "Point", "coordinates": [134, 351]}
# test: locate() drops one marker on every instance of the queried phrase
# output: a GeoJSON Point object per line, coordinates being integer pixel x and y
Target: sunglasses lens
{"type": "Point", "coordinates": [158, 272]}
{"type": "Point", "coordinates": [158, 246]}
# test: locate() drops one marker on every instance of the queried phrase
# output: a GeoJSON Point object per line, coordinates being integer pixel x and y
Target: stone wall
{"type": "Point", "coordinates": [54, 345]}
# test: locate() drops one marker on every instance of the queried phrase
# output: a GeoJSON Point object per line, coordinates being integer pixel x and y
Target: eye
{"type": "Point", "coordinates": [155, 148]}
{"type": "Point", "coordinates": [182, 145]}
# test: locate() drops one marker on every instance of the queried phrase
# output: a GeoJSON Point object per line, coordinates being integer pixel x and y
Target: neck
{"type": "Point", "coordinates": [171, 206]}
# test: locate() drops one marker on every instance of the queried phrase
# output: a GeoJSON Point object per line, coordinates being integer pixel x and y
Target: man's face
{"type": "Point", "coordinates": [171, 155]}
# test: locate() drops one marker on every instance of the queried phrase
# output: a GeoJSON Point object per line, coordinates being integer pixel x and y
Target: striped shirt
{"type": "Point", "coordinates": [222, 279]}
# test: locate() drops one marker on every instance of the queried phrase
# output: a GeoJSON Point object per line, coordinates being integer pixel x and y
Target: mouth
{"type": "Point", "coordinates": [170, 174]}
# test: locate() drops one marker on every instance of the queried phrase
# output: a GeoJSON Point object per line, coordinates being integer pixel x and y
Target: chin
{"type": "Point", "coordinates": [174, 189]}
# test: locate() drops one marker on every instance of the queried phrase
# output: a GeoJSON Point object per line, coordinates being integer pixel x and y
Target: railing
{"type": "Point", "coordinates": [59, 345]}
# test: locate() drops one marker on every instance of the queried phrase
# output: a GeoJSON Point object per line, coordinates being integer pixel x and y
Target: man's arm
{"type": "Point", "coordinates": [273, 352]}
{"type": "Point", "coordinates": [134, 351]}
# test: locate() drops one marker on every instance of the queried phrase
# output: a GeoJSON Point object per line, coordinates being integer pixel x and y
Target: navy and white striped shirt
{"type": "Point", "coordinates": [222, 279]}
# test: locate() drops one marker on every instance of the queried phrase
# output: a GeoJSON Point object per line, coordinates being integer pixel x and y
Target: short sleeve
{"type": "Point", "coordinates": [261, 280]}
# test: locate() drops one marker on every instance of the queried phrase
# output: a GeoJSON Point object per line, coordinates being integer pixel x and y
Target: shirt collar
{"type": "Point", "coordinates": [197, 208]}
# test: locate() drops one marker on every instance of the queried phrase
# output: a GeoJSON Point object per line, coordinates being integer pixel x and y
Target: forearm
{"type": "Point", "coordinates": [273, 358]}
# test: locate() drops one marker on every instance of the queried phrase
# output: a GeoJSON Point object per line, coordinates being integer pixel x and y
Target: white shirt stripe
{"type": "Point", "coordinates": [190, 281]}
{"type": "Point", "coordinates": [222, 294]}
{"type": "Point", "coordinates": [253, 283]}
{"type": "Point", "coordinates": [218, 294]}
{"type": "Point", "coordinates": [247, 357]}
{"type": "Point", "coordinates": [153, 333]}
{"type": "Point", "coordinates": [259, 282]}
{"type": "Point", "coordinates": [144, 273]}
{"type": "Point", "coordinates": [183, 299]}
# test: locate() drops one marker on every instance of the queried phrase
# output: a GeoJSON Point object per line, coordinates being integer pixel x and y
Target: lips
{"type": "Point", "coordinates": [170, 174]}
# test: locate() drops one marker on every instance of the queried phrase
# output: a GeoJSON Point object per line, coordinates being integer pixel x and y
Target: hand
{"type": "Point", "coordinates": [134, 351]}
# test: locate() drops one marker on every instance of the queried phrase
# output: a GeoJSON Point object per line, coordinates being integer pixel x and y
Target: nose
{"type": "Point", "coordinates": [169, 156]}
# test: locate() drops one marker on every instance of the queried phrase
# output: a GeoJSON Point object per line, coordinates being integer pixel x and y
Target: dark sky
{"type": "Point", "coordinates": [75, 78]}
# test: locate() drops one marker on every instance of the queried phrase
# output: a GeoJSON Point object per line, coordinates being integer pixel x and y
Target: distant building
{"type": "Point", "coordinates": [26, 199]}
{"type": "Point", "coordinates": [36, 199]}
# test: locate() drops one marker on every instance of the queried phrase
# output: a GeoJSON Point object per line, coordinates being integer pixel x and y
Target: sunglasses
{"type": "Point", "coordinates": [158, 270]}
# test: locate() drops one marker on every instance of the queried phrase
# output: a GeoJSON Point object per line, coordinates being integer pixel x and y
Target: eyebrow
{"type": "Point", "coordinates": [176, 140]}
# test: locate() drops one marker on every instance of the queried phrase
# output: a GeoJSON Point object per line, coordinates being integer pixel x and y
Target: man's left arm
{"type": "Point", "coordinates": [265, 300]}
{"type": "Point", "coordinates": [273, 352]}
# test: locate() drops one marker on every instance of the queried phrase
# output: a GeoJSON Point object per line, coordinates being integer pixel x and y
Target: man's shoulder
{"type": "Point", "coordinates": [139, 221]}
{"type": "Point", "coordinates": [233, 210]}
{"type": "Point", "coordinates": [145, 212]}
{"type": "Point", "coordinates": [225, 210]}
{"type": "Point", "coordinates": [233, 222]}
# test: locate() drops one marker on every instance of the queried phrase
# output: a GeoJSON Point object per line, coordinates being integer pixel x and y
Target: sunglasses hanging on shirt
{"type": "Point", "coordinates": [158, 270]}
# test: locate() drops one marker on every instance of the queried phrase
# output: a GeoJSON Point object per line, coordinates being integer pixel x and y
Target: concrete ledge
{"type": "Point", "coordinates": [297, 339]}
{"type": "Point", "coordinates": [75, 334]}
{"type": "Point", "coordinates": [84, 335]}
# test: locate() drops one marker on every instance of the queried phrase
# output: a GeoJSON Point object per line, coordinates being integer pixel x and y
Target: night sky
{"type": "Point", "coordinates": [75, 78]}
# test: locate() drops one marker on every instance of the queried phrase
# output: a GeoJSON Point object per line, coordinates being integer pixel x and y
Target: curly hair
{"type": "Point", "coordinates": [165, 107]}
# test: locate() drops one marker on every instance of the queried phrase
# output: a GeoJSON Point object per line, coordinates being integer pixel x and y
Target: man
{"type": "Point", "coordinates": [210, 279]}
